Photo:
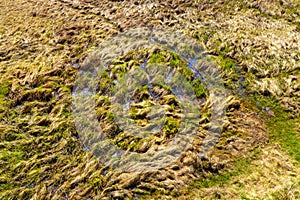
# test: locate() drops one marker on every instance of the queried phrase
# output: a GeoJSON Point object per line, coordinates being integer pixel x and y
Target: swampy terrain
{"type": "Point", "coordinates": [255, 45]}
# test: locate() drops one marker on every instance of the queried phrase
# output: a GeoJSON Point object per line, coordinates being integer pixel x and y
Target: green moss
{"type": "Point", "coordinates": [105, 83]}
{"type": "Point", "coordinates": [13, 157]}
{"type": "Point", "coordinates": [204, 34]}
{"type": "Point", "coordinates": [104, 114]}
{"type": "Point", "coordinates": [9, 159]}
{"type": "Point", "coordinates": [110, 117]}
{"type": "Point", "coordinates": [66, 89]}
{"type": "Point", "coordinates": [103, 74]}
{"type": "Point", "coordinates": [157, 58]}
{"type": "Point", "coordinates": [96, 182]}
{"type": "Point", "coordinates": [227, 49]}
{"type": "Point", "coordinates": [171, 100]}
{"type": "Point", "coordinates": [138, 113]}
{"type": "Point", "coordinates": [77, 48]}
{"type": "Point", "coordinates": [248, 80]}
{"type": "Point", "coordinates": [262, 102]}
{"type": "Point", "coordinates": [231, 71]}
{"type": "Point", "coordinates": [199, 88]}
{"type": "Point", "coordinates": [120, 68]}
{"type": "Point", "coordinates": [175, 61]}
{"type": "Point", "coordinates": [4, 102]}
{"type": "Point", "coordinates": [135, 144]}
{"type": "Point", "coordinates": [187, 73]}
{"type": "Point", "coordinates": [4, 89]}
{"type": "Point", "coordinates": [174, 55]}
{"type": "Point", "coordinates": [102, 100]}
{"type": "Point", "coordinates": [226, 63]}
{"type": "Point", "coordinates": [171, 126]}
{"type": "Point", "coordinates": [133, 113]}
{"type": "Point", "coordinates": [127, 142]}
{"type": "Point", "coordinates": [39, 93]}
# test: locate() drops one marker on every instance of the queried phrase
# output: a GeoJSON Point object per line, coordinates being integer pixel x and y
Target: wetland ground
{"type": "Point", "coordinates": [254, 44]}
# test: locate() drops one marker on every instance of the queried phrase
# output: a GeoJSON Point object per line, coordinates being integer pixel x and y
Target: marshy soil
{"type": "Point", "coordinates": [255, 44]}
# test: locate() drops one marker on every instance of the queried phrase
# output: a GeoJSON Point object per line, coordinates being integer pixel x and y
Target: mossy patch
{"type": "Point", "coordinates": [4, 101]}
{"type": "Point", "coordinates": [144, 97]}
{"type": "Point", "coordinates": [171, 126]}
{"type": "Point", "coordinates": [199, 88]}
{"type": "Point", "coordinates": [282, 128]}
{"type": "Point", "coordinates": [157, 58]}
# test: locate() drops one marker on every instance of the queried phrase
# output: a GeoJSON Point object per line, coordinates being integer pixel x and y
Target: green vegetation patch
{"type": "Point", "coordinates": [199, 88]}
{"type": "Point", "coordinates": [144, 97]}
{"type": "Point", "coordinates": [157, 58]}
{"type": "Point", "coordinates": [282, 127]}
{"type": "Point", "coordinates": [4, 90]}
{"type": "Point", "coordinates": [171, 126]}
{"type": "Point", "coordinates": [240, 166]}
